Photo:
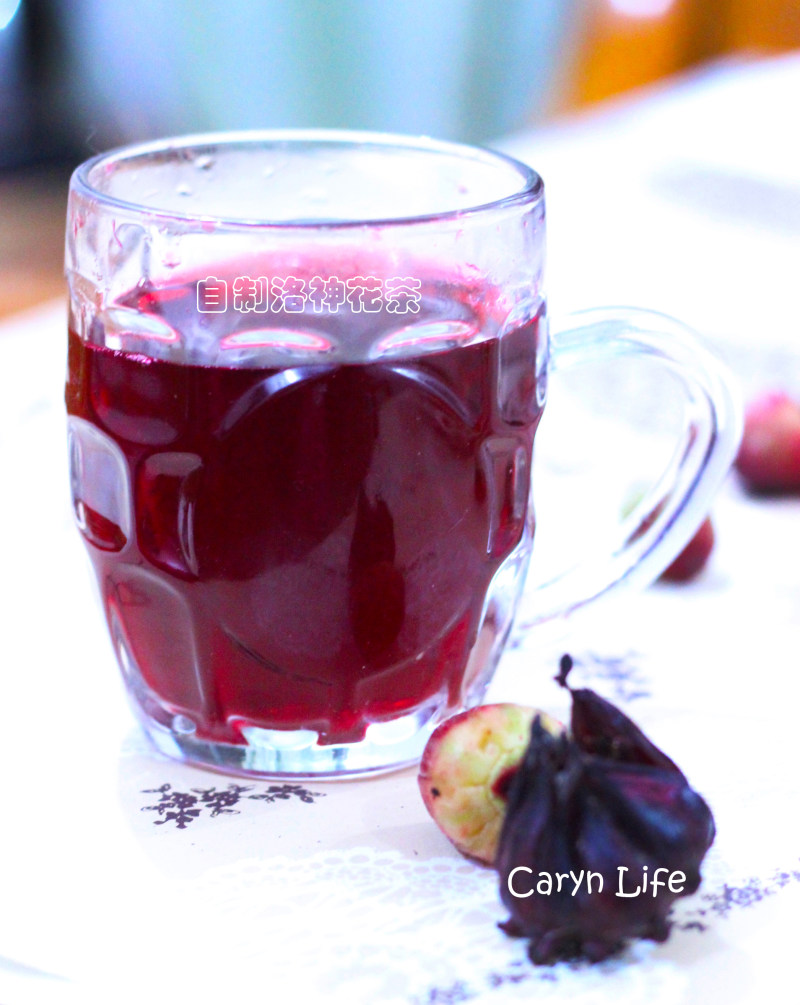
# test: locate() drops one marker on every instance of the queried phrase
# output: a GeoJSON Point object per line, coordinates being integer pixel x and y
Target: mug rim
{"type": "Point", "coordinates": [529, 191]}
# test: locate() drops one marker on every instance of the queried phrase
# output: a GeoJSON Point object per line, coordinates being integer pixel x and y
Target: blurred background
{"type": "Point", "coordinates": [80, 76]}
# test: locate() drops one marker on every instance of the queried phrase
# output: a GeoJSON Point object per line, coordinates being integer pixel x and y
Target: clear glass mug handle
{"type": "Point", "coordinates": [647, 538]}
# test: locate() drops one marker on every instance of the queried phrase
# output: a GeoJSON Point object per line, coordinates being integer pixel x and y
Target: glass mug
{"type": "Point", "coordinates": [305, 374]}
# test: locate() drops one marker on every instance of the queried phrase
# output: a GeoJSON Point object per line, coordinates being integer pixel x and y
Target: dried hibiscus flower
{"type": "Point", "coordinates": [601, 833]}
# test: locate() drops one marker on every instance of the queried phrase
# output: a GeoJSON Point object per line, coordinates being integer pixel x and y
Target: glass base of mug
{"type": "Point", "coordinates": [296, 754]}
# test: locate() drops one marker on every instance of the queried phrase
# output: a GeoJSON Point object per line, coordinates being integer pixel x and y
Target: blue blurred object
{"type": "Point", "coordinates": [14, 128]}
{"type": "Point", "coordinates": [458, 69]}
{"type": "Point", "coordinates": [8, 8]}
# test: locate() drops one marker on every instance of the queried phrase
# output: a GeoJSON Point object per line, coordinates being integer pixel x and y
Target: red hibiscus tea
{"type": "Point", "coordinates": [305, 547]}
{"type": "Point", "coordinates": [305, 373]}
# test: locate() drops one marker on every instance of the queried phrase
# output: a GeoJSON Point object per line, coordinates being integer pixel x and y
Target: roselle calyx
{"type": "Point", "coordinates": [608, 812]}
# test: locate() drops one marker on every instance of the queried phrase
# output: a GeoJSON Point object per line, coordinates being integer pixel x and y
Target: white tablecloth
{"type": "Point", "coordinates": [124, 876]}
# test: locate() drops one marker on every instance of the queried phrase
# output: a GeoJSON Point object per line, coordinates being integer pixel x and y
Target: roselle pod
{"type": "Point", "coordinates": [592, 818]}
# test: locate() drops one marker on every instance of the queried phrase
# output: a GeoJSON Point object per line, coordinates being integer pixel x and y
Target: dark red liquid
{"type": "Point", "coordinates": [306, 548]}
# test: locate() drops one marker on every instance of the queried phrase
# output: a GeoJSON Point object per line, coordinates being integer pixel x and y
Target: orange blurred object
{"type": "Point", "coordinates": [630, 43]}
{"type": "Point", "coordinates": [33, 208]}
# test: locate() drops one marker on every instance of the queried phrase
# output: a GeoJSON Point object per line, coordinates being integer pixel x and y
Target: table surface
{"type": "Point", "coordinates": [686, 200]}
